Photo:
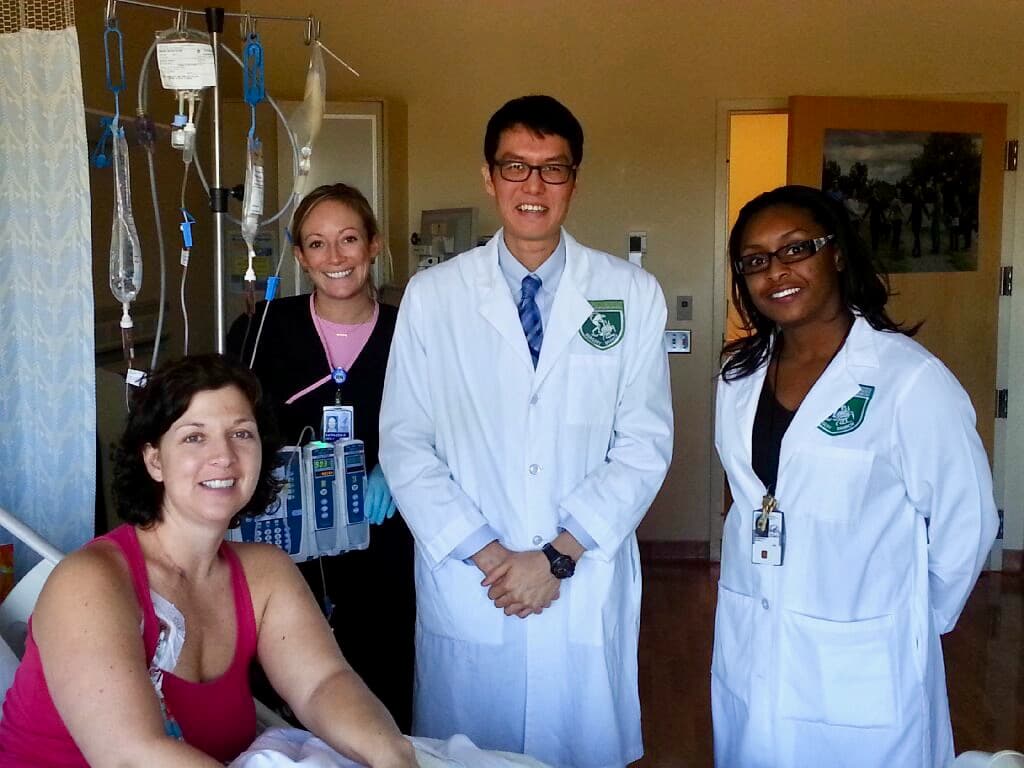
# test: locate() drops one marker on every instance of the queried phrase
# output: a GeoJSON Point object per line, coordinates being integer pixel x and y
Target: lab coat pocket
{"type": "Point", "coordinates": [456, 606]}
{"type": "Point", "coordinates": [832, 480]}
{"type": "Point", "coordinates": [838, 672]}
{"type": "Point", "coordinates": [595, 598]}
{"type": "Point", "coordinates": [733, 645]}
{"type": "Point", "coordinates": [593, 387]}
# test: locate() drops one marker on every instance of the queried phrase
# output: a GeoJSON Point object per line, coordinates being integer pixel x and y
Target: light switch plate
{"type": "Point", "coordinates": [684, 307]}
{"type": "Point", "coordinates": [677, 342]}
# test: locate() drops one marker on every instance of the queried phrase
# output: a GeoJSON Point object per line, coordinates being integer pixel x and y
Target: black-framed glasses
{"type": "Point", "coordinates": [787, 254]}
{"type": "Point", "coordinates": [550, 173]}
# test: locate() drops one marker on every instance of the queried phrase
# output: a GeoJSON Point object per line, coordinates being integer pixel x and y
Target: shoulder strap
{"type": "Point", "coordinates": [245, 618]}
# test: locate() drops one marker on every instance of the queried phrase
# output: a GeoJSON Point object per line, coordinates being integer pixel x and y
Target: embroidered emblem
{"type": "Point", "coordinates": [606, 324]}
{"type": "Point", "coordinates": [849, 415]}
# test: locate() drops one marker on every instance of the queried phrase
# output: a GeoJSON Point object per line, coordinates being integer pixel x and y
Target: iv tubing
{"type": "Point", "coordinates": [143, 93]}
{"type": "Point", "coordinates": [214, 18]}
{"type": "Point", "coordinates": [184, 311]}
{"type": "Point", "coordinates": [291, 139]}
{"type": "Point", "coordinates": [184, 273]}
{"type": "Point", "coordinates": [143, 105]}
{"type": "Point", "coordinates": [266, 307]}
{"type": "Point", "coordinates": [163, 264]}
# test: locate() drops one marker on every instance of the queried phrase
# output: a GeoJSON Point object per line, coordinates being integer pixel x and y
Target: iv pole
{"type": "Point", "coordinates": [218, 194]}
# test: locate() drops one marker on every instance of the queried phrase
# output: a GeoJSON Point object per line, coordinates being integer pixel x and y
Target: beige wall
{"type": "Point", "coordinates": [645, 78]}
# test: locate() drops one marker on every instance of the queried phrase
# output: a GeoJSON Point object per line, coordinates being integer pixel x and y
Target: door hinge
{"type": "Point", "coordinates": [1006, 281]}
{"type": "Point", "coordinates": [1002, 403]}
{"type": "Point", "coordinates": [1010, 155]}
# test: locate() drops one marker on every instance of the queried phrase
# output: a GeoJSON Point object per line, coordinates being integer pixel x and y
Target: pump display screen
{"type": "Point", "coordinates": [354, 461]}
{"type": "Point", "coordinates": [325, 463]}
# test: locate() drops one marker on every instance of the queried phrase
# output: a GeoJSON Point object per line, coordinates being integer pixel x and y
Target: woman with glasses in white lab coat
{"type": "Point", "coordinates": [862, 512]}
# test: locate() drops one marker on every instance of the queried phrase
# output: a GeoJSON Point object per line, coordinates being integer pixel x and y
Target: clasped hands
{"type": "Point", "coordinates": [519, 583]}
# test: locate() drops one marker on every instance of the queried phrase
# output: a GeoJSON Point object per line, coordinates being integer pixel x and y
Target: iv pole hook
{"type": "Point", "coordinates": [312, 30]}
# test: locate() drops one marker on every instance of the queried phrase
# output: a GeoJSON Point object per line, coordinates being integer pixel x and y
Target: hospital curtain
{"type": "Point", "coordinates": [47, 362]}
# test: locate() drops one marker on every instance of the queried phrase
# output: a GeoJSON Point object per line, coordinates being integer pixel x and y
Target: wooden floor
{"type": "Point", "coordinates": [984, 665]}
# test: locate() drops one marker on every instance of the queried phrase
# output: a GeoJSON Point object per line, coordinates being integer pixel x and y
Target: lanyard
{"type": "Point", "coordinates": [334, 372]}
{"type": "Point", "coordinates": [338, 374]}
{"type": "Point", "coordinates": [769, 502]}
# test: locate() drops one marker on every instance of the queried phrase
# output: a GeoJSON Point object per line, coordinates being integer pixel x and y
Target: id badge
{"type": "Point", "coordinates": [338, 423]}
{"type": "Point", "coordinates": [768, 546]}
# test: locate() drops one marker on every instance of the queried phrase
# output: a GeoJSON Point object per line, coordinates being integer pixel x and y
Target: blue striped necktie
{"type": "Point", "coordinates": [529, 316]}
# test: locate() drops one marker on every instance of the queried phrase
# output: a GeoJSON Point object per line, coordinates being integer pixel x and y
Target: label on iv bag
{"type": "Point", "coordinates": [186, 66]}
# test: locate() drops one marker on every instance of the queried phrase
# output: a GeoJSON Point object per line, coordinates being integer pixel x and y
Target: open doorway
{"type": "Point", "coordinates": [753, 153]}
{"type": "Point", "coordinates": [757, 163]}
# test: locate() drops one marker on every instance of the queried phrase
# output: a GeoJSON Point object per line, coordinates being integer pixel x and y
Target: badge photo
{"type": "Point", "coordinates": [768, 542]}
{"type": "Point", "coordinates": [337, 423]}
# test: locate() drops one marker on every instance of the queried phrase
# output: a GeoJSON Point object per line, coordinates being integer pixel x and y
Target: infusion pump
{"type": "Point", "coordinates": [321, 510]}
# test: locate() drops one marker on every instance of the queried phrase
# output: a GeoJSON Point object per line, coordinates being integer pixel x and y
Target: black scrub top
{"type": "Point", "coordinates": [372, 590]}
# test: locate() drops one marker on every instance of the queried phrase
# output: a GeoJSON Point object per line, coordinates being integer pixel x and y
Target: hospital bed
{"type": "Point", "coordinates": [273, 749]}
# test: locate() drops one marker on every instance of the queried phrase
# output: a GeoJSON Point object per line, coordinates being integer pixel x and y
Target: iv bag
{"type": "Point", "coordinates": [125, 251]}
{"type": "Point", "coordinates": [310, 116]}
{"type": "Point", "coordinates": [252, 201]}
{"type": "Point", "coordinates": [185, 60]}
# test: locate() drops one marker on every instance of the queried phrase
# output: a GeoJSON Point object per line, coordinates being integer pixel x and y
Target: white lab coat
{"type": "Point", "coordinates": [834, 657]}
{"type": "Point", "coordinates": [471, 434]}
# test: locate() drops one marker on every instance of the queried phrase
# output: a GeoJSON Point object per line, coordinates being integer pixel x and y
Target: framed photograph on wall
{"type": "Point", "coordinates": [913, 196]}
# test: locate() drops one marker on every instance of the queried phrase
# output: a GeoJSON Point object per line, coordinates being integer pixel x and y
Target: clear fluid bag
{"type": "Point", "coordinates": [125, 251]}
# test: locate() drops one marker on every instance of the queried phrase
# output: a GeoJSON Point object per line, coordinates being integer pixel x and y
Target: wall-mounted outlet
{"type": "Point", "coordinates": [677, 342]}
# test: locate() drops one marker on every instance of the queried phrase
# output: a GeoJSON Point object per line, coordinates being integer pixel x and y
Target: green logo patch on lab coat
{"type": "Point", "coordinates": [606, 324]}
{"type": "Point", "coordinates": [849, 415]}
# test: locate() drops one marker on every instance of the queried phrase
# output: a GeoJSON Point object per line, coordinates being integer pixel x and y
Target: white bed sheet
{"type": "Point", "coordinates": [294, 748]}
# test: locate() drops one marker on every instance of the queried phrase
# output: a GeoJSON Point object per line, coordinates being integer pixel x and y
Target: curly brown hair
{"type": "Point", "coordinates": [157, 405]}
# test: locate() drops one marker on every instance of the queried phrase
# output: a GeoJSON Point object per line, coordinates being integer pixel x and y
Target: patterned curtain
{"type": "Point", "coordinates": [47, 362]}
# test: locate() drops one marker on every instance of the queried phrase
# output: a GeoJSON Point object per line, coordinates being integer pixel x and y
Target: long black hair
{"type": "Point", "coordinates": [862, 289]}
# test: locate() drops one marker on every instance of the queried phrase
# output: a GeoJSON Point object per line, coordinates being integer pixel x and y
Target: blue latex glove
{"type": "Point", "coordinates": [379, 504]}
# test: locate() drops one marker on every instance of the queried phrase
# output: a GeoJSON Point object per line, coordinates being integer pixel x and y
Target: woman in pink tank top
{"type": "Point", "coordinates": [139, 649]}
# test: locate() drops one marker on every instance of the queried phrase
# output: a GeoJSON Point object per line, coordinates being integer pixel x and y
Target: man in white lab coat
{"type": "Point", "coordinates": [526, 427]}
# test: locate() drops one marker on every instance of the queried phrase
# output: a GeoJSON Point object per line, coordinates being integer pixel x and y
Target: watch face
{"type": "Point", "coordinates": [563, 567]}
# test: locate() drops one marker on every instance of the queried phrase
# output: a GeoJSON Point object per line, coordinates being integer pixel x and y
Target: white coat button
{"type": "Point", "coordinates": [764, 603]}
{"type": "Point", "coordinates": [534, 469]}
{"type": "Point", "coordinates": [533, 400]}
{"type": "Point", "coordinates": [537, 540]}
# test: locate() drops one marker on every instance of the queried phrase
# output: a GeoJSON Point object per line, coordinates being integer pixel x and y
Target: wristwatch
{"type": "Point", "coordinates": [562, 566]}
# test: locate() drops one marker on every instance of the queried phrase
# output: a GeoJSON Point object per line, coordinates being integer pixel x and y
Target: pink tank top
{"type": "Point", "coordinates": [217, 716]}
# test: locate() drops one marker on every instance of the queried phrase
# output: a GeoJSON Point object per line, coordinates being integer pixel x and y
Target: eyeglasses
{"type": "Point", "coordinates": [550, 173]}
{"type": "Point", "coordinates": [787, 254]}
